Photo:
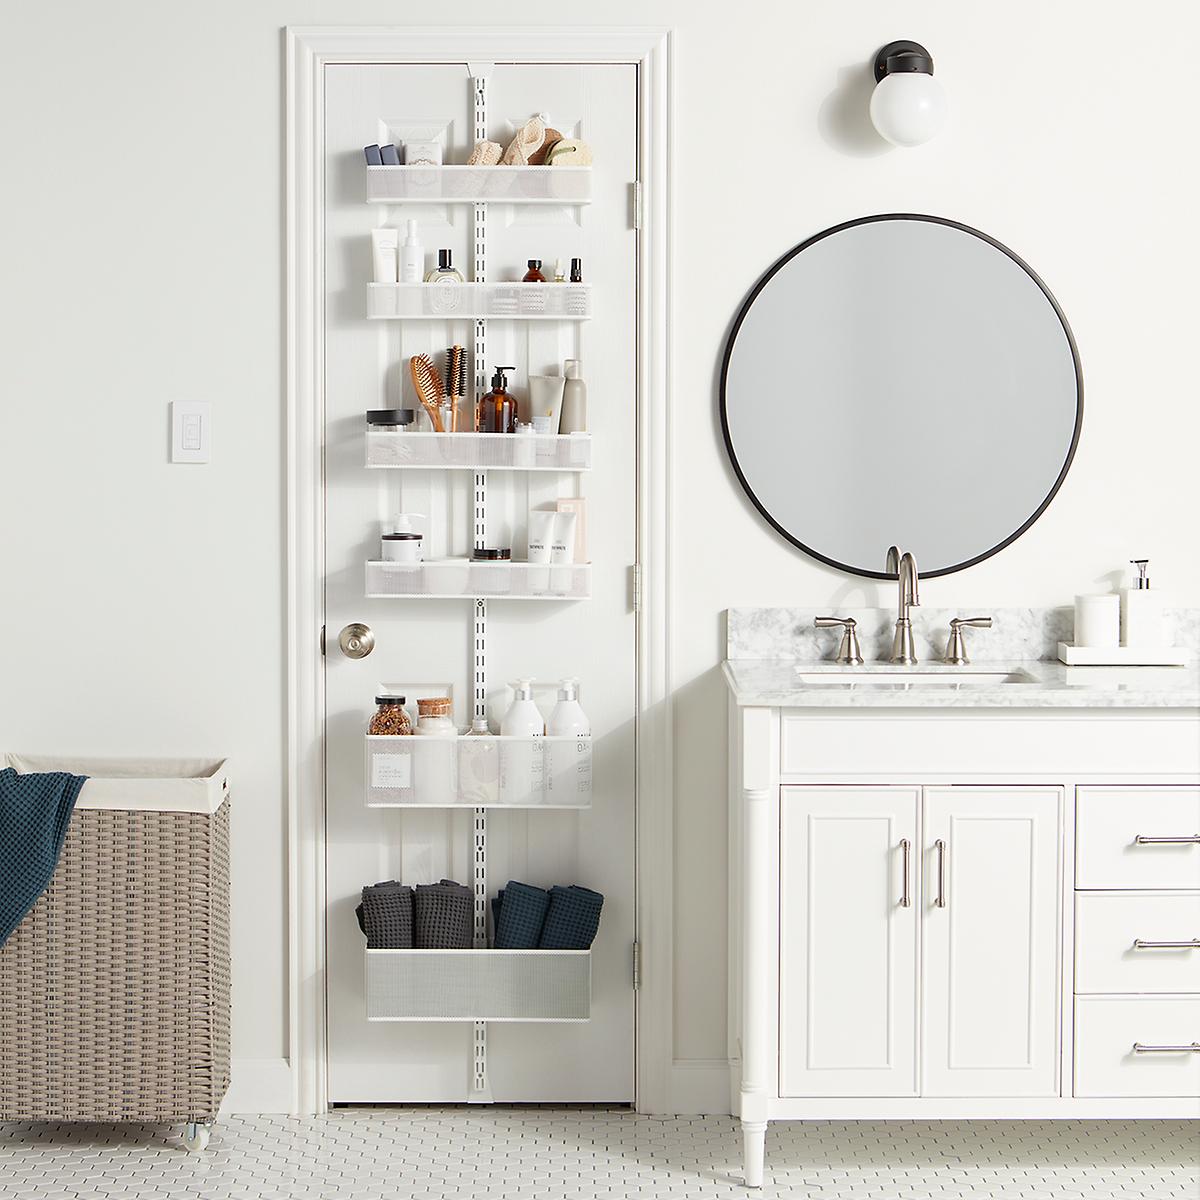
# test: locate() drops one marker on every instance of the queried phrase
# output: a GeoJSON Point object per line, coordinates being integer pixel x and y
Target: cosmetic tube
{"type": "Point", "coordinates": [546, 400]}
{"type": "Point", "coordinates": [384, 245]}
{"type": "Point", "coordinates": [541, 534]}
{"type": "Point", "coordinates": [562, 546]}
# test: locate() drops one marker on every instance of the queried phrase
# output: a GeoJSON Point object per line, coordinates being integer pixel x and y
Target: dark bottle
{"type": "Point", "coordinates": [497, 409]}
{"type": "Point", "coordinates": [577, 270]}
{"type": "Point", "coordinates": [534, 274]}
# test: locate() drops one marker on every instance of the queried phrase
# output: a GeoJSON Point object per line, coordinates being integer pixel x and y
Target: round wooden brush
{"type": "Point", "coordinates": [429, 387]}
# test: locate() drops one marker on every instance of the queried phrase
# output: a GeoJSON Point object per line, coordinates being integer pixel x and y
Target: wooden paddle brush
{"type": "Point", "coordinates": [429, 387]}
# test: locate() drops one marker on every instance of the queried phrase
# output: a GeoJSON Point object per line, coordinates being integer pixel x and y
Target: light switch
{"type": "Point", "coordinates": [191, 431]}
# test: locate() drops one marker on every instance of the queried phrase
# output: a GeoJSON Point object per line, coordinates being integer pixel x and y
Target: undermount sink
{"type": "Point", "coordinates": [953, 677]}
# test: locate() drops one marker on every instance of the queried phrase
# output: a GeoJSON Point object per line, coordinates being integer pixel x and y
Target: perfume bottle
{"type": "Point", "coordinates": [534, 274]}
{"type": "Point", "coordinates": [497, 409]}
{"type": "Point", "coordinates": [577, 270]}
{"type": "Point", "coordinates": [559, 275]}
{"type": "Point", "coordinates": [445, 271]}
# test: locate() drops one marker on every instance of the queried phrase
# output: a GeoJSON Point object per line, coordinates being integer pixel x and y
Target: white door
{"type": "Point", "coordinates": [848, 941]}
{"type": "Point", "coordinates": [425, 647]}
{"type": "Point", "coordinates": [990, 941]}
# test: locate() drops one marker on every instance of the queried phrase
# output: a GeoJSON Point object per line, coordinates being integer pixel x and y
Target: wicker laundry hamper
{"type": "Point", "coordinates": [114, 990]}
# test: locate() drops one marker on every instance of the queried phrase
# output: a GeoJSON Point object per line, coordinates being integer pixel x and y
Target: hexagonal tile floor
{"type": "Point", "coordinates": [569, 1153]}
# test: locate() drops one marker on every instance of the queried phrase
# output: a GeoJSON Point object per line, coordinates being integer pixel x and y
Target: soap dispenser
{"type": "Point", "coordinates": [1141, 610]}
{"type": "Point", "coordinates": [568, 719]}
{"type": "Point", "coordinates": [497, 409]}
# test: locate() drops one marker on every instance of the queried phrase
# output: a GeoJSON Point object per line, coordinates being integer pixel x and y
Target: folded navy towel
{"type": "Point", "coordinates": [35, 810]}
{"type": "Point", "coordinates": [443, 916]}
{"type": "Point", "coordinates": [519, 925]}
{"type": "Point", "coordinates": [386, 916]}
{"type": "Point", "coordinates": [572, 919]}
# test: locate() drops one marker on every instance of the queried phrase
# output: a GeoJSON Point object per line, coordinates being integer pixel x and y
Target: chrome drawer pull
{"type": "Point", "coordinates": [1187, 1048]}
{"type": "Point", "coordinates": [1186, 840]}
{"type": "Point", "coordinates": [905, 898]}
{"type": "Point", "coordinates": [941, 892]}
{"type": "Point", "coordinates": [1187, 944]}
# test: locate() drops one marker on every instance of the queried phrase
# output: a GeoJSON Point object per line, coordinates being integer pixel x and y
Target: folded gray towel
{"type": "Point", "coordinates": [443, 916]}
{"type": "Point", "coordinates": [386, 916]}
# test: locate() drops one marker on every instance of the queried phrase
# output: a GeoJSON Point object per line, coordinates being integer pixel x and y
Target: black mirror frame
{"type": "Point", "coordinates": [871, 220]}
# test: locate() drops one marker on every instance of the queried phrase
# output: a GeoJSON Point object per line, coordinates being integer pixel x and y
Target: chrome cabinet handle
{"type": "Point", "coordinates": [905, 898]}
{"type": "Point", "coordinates": [941, 878]}
{"type": "Point", "coordinates": [1188, 839]}
{"type": "Point", "coordinates": [1186, 944]}
{"type": "Point", "coordinates": [1186, 1048]}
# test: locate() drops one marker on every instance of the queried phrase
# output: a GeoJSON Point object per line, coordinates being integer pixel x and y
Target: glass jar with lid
{"type": "Point", "coordinates": [391, 717]}
{"type": "Point", "coordinates": [434, 719]}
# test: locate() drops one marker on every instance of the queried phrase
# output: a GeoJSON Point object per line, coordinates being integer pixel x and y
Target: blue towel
{"type": "Point", "coordinates": [519, 922]}
{"type": "Point", "coordinates": [34, 813]}
{"type": "Point", "coordinates": [572, 919]}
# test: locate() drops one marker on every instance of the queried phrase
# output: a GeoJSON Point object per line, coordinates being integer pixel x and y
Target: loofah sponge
{"type": "Point", "coordinates": [485, 154]}
{"type": "Point", "coordinates": [528, 141]}
{"type": "Point", "coordinates": [552, 138]}
{"type": "Point", "coordinates": [570, 152]}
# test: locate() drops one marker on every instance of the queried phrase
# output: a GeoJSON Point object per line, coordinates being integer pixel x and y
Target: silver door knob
{"type": "Point", "coordinates": [356, 641]}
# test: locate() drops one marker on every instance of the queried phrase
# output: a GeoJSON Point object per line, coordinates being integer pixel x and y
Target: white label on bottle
{"type": "Point", "coordinates": [391, 770]}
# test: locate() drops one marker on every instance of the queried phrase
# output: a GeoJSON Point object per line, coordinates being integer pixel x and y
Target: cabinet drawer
{"type": "Point", "coordinates": [1111, 929]}
{"type": "Point", "coordinates": [1108, 1028]}
{"type": "Point", "coordinates": [1120, 832]}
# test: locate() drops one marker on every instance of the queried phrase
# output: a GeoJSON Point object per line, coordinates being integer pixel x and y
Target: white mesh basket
{"type": "Point", "coordinates": [467, 185]}
{"type": "Point", "coordinates": [449, 578]}
{"type": "Point", "coordinates": [497, 301]}
{"type": "Point", "coordinates": [479, 985]}
{"type": "Point", "coordinates": [481, 451]}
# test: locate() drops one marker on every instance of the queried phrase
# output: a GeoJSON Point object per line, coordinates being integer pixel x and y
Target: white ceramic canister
{"type": "Point", "coordinates": [1098, 620]}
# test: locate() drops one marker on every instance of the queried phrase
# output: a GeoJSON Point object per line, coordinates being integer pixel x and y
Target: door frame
{"type": "Point", "coordinates": [308, 51]}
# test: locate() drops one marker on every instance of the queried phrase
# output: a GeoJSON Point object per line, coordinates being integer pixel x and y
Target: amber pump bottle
{"type": "Point", "coordinates": [497, 409]}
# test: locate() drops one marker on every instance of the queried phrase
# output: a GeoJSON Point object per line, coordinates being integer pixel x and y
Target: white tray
{"type": "Point", "coordinates": [480, 451]}
{"type": "Point", "coordinates": [479, 985]}
{"type": "Point", "coordinates": [478, 772]}
{"type": "Point", "coordinates": [512, 301]}
{"type": "Point", "coordinates": [1122, 656]}
{"type": "Point", "coordinates": [460, 184]}
{"type": "Point", "coordinates": [451, 578]}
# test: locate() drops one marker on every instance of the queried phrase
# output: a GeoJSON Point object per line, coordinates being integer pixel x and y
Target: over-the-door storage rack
{"type": "Point", "coordinates": [479, 985]}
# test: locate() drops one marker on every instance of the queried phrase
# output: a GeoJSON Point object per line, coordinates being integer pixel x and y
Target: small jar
{"type": "Point", "coordinates": [434, 719]}
{"type": "Point", "coordinates": [490, 571]}
{"type": "Point", "coordinates": [534, 274]}
{"type": "Point", "coordinates": [401, 547]}
{"type": "Point", "coordinates": [389, 420]}
{"type": "Point", "coordinates": [391, 717]}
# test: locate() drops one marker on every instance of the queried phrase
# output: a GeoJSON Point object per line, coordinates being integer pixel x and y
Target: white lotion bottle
{"type": "Point", "coordinates": [574, 401]}
{"type": "Point", "coordinates": [569, 764]}
{"type": "Point", "coordinates": [568, 718]}
{"type": "Point", "coordinates": [1142, 623]}
{"type": "Point", "coordinates": [522, 767]}
{"type": "Point", "coordinates": [412, 256]}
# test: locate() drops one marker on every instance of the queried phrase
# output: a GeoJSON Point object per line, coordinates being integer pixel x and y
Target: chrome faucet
{"type": "Point", "coordinates": [903, 651]}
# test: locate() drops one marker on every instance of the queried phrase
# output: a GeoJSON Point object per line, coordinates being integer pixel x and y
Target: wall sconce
{"type": "Point", "coordinates": [908, 106]}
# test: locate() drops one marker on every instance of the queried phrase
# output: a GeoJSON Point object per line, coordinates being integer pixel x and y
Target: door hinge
{"type": "Point", "coordinates": [636, 203]}
{"type": "Point", "coordinates": [637, 966]}
{"type": "Point", "coordinates": [635, 587]}
{"type": "Point", "coordinates": [322, 641]}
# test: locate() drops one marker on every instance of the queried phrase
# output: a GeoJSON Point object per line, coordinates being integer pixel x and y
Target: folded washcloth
{"type": "Point", "coordinates": [497, 900]}
{"type": "Point", "coordinates": [571, 920]}
{"type": "Point", "coordinates": [443, 916]}
{"type": "Point", "coordinates": [386, 916]}
{"type": "Point", "coordinates": [35, 810]}
{"type": "Point", "coordinates": [519, 923]}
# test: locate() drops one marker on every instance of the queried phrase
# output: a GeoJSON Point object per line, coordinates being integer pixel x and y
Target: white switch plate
{"type": "Point", "coordinates": [191, 431]}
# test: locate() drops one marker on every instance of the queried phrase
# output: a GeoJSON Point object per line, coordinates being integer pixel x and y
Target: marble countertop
{"type": "Point", "coordinates": [774, 683]}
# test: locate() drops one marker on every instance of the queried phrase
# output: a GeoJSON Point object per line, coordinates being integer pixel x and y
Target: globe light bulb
{"type": "Point", "coordinates": [908, 106]}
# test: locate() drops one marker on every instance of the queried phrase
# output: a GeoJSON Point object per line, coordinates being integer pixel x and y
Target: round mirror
{"type": "Point", "coordinates": [901, 380]}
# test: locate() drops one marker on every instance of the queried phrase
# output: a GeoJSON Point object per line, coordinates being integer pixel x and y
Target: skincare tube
{"type": "Point", "coordinates": [384, 246]}
{"type": "Point", "coordinates": [545, 401]}
{"type": "Point", "coordinates": [541, 534]}
{"type": "Point", "coordinates": [562, 547]}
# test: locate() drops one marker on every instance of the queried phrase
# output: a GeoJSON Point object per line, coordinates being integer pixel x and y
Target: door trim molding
{"type": "Point", "coordinates": [308, 51]}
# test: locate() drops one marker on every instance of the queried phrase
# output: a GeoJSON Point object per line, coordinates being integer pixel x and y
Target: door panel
{"type": "Point", "coordinates": [848, 946]}
{"type": "Point", "coordinates": [424, 647]}
{"type": "Point", "coordinates": [990, 954]}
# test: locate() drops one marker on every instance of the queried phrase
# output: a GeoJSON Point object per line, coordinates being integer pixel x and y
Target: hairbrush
{"type": "Point", "coordinates": [429, 388]}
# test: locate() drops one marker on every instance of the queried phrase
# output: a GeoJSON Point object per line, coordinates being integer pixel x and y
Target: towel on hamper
{"type": "Point", "coordinates": [386, 916]}
{"type": "Point", "coordinates": [572, 919]}
{"type": "Point", "coordinates": [442, 916]}
{"type": "Point", "coordinates": [35, 810]}
{"type": "Point", "coordinates": [522, 911]}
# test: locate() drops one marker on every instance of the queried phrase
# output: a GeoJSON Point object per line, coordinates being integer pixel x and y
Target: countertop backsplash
{"type": "Point", "coordinates": [1020, 634]}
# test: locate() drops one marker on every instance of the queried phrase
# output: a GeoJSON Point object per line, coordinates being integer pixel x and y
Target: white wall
{"type": "Point", "coordinates": [142, 250]}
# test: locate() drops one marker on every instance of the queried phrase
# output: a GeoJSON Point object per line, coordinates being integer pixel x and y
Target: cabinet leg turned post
{"type": "Point", "coordinates": [754, 1149]}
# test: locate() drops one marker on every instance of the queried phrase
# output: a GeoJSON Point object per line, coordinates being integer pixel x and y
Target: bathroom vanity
{"type": "Point", "coordinates": [959, 891]}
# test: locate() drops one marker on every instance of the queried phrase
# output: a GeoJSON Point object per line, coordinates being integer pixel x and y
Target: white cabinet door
{"type": "Point", "coordinates": [990, 930]}
{"type": "Point", "coordinates": [848, 941]}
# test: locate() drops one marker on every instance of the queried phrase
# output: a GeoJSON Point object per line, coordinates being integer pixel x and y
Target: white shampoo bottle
{"type": "Point", "coordinates": [412, 256]}
{"type": "Point", "coordinates": [568, 719]}
{"type": "Point", "coordinates": [522, 765]}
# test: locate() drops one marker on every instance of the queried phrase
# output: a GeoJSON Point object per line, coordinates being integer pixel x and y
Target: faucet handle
{"type": "Point", "coordinates": [849, 654]}
{"type": "Point", "coordinates": [956, 648]}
